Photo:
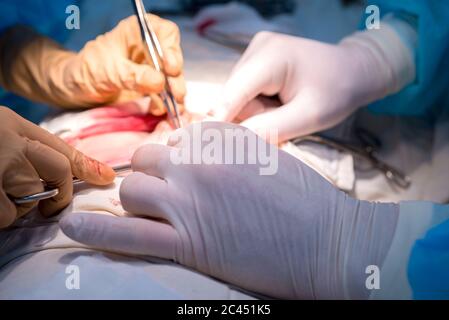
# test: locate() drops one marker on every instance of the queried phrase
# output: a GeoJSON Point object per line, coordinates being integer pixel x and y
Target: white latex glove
{"type": "Point", "coordinates": [318, 84]}
{"type": "Point", "coordinates": [289, 235]}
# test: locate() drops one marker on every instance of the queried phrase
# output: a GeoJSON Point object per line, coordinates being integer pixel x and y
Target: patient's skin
{"type": "Point", "coordinates": [115, 141]}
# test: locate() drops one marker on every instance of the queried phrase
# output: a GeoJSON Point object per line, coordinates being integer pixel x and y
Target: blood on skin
{"type": "Point", "coordinates": [136, 123]}
{"type": "Point", "coordinates": [111, 135]}
{"type": "Point", "coordinates": [115, 202]}
{"type": "Point", "coordinates": [125, 110]}
{"type": "Point", "coordinates": [94, 164]}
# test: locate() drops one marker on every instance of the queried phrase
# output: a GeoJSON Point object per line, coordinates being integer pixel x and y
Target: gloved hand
{"type": "Point", "coordinates": [28, 153]}
{"type": "Point", "coordinates": [288, 235]}
{"type": "Point", "coordinates": [39, 69]}
{"type": "Point", "coordinates": [318, 84]}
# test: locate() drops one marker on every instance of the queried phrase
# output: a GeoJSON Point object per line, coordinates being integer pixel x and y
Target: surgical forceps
{"type": "Point", "coordinates": [366, 150]}
{"type": "Point", "coordinates": [153, 52]}
{"type": "Point", "coordinates": [50, 193]}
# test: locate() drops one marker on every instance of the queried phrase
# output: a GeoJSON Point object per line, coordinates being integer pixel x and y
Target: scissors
{"type": "Point", "coordinates": [50, 193]}
{"type": "Point", "coordinates": [366, 150]}
{"type": "Point", "coordinates": [153, 52]}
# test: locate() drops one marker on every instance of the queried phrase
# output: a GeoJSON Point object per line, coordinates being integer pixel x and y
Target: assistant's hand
{"type": "Point", "coordinates": [318, 84]}
{"type": "Point", "coordinates": [287, 235]}
{"type": "Point", "coordinates": [113, 63]}
{"type": "Point", "coordinates": [28, 153]}
{"type": "Point", "coordinates": [116, 62]}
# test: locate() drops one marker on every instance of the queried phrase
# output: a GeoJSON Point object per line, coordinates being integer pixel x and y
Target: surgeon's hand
{"type": "Point", "coordinates": [28, 153]}
{"type": "Point", "coordinates": [318, 84]}
{"type": "Point", "coordinates": [287, 235]}
{"type": "Point", "coordinates": [106, 69]}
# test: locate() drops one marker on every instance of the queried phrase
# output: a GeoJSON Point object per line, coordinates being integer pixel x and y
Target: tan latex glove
{"type": "Point", "coordinates": [29, 153]}
{"type": "Point", "coordinates": [37, 68]}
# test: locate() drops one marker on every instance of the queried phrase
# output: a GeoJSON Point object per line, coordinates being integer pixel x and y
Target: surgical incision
{"type": "Point", "coordinates": [111, 134]}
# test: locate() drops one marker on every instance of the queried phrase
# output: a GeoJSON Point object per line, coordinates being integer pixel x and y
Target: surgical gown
{"type": "Point", "coordinates": [47, 17]}
{"type": "Point", "coordinates": [428, 269]}
{"type": "Point", "coordinates": [429, 92]}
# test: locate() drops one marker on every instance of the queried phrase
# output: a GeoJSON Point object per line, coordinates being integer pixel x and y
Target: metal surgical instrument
{"type": "Point", "coordinates": [50, 193]}
{"type": "Point", "coordinates": [153, 52]}
{"type": "Point", "coordinates": [366, 152]}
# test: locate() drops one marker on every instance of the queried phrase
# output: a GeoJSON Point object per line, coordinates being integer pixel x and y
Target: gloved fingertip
{"type": "Point", "coordinates": [219, 114]}
{"type": "Point", "coordinates": [107, 174]}
{"type": "Point", "coordinates": [172, 65]}
{"type": "Point", "coordinates": [71, 224]}
{"type": "Point", "coordinates": [150, 81]}
{"type": "Point", "coordinates": [179, 91]}
{"type": "Point", "coordinates": [92, 171]}
{"type": "Point", "coordinates": [156, 107]}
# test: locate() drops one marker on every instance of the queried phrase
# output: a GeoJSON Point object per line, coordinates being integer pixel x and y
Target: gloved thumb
{"type": "Point", "coordinates": [120, 234]}
{"type": "Point", "coordinates": [138, 77]}
{"type": "Point", "coordinates": [287, 122]}
{"type": "Point", "coordinates": [247, 81]}
{"type": "Point", "coordinates": [90, 170]}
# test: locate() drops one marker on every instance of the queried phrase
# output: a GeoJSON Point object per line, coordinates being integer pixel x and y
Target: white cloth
{"type": "Point", "coordinates": [35, 253]}
{"type": "Point", "coordinates": [233, 22]}
{"type": "Point", "coordinates": [337, 167]}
